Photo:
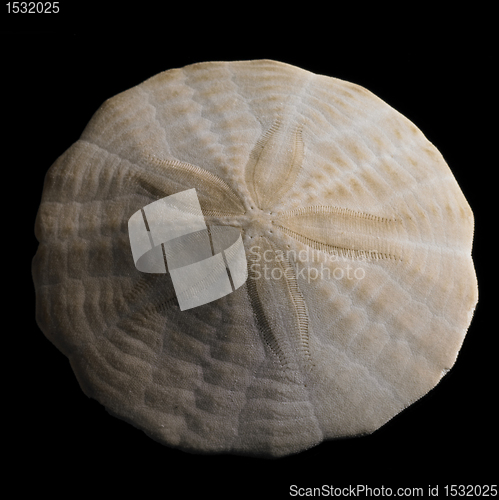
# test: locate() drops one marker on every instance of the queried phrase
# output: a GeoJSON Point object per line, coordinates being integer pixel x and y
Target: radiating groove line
{"type": "Point", "coordinates": [296, 164]}
{"type": "Point", "coordinates": [335, 210]}
{"type": "Point", "coordinates": [266, 191]}
{"type": "Point", "coordinates": [256, 153]}
{"type": "Point", "coordinates": [140, 286]}
{"type": "Point", "coordinates": [137, 174]}
{"type": "Point", "coordinates": [262, 322]}
{"type": "Point", "coordinates": [144, 292]}
{"type": "Point", "coordinates": [184, 168]}
{"type": "Point", "coordinates": [261, 143]}
{"type": "Point", "coordinates": [142, 301]}
{"type": "Point", "coordinates": [189, 176]}
{"type": "Point", "coordinates": [217, 213]}
{"type": "Point", "coordinates": [300, 308]}
{"type": "Point", "coordinates": [350, 253]}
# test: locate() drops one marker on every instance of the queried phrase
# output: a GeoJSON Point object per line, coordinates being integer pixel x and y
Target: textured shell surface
{"type": "Point", "coordinates": [358, 240]}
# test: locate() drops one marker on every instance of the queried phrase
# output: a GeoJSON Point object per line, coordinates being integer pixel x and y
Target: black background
{"type": "Point", "coordinates": [58, 71]}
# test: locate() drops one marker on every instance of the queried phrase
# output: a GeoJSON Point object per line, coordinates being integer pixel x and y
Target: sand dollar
{"type": "Point", "coordinates": [357, 238]}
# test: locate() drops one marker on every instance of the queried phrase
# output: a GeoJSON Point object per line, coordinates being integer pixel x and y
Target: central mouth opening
{"type": "Point", "coordinates": [257, 222]}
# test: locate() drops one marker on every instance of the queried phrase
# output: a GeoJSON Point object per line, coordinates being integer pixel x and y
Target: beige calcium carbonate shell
{"type": "Point", "coordinates": [358, 239]}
